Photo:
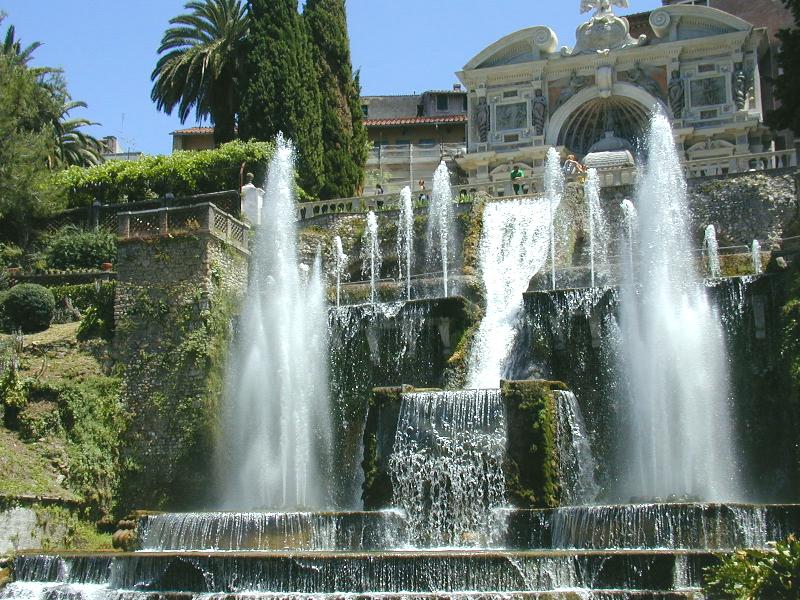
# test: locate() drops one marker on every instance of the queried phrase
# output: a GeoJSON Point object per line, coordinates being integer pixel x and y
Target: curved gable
{"type": "Point", "coordinates": [525, 45]}
{"type": "Point", "coordinates": [686, 22]}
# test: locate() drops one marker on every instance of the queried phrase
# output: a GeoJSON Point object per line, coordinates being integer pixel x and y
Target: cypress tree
{"type": "Point", "coordinates": [281, 92]}
{"type": "Point", "coordinates": [343, 132]}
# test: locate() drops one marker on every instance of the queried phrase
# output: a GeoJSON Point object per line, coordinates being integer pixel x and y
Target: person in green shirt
{"type": "Point", "coordinates": [516, 174]}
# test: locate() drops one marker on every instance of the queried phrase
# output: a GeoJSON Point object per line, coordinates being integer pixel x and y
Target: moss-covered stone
{"type": "Point", "coordinates": [531, 465]}
{"type": "Point", "coordinates": [379, 433]}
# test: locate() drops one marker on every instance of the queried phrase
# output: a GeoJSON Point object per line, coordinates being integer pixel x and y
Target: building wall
{"type": "Point", "coordinates": [418, 134]}
{"type": "Point", "coordinates": [192, 142]}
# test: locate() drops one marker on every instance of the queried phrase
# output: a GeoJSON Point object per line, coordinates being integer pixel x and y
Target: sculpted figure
{"type": "Point", "coordinates": [740, 87]}
{"type": "Point", "coordinates": [638, 77]}
{"type": "Point", "coordinates": [575, 85]}
{"type": "Point", "coordinates": [601, 7]}
{"type": "Point", "coordinates": [676, 95]}
{"type": "Point", "coordinates": [482, 120]}
{"type": "Point", "coordinates": [538, 112]}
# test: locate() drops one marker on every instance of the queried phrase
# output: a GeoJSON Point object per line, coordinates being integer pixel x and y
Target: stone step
{"type": "Point", "coordinates": [425, 572]}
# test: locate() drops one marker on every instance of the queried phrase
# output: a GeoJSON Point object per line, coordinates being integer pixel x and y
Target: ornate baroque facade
{"type": "Point", "coordinates": [698, 64]}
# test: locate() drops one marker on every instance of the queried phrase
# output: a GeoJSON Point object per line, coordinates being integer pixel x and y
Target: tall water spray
{"type": "Point", "coordinates": [755, 253]}
{"type": "Point", "coordinates": [441, 225]}
{"type": "Point", "coordinates": [340, 265]}
{"type": "Point", "coordinates": [598, 231]}
{"type": "Point", "coordinates": [630, 227]}
{"type": "Point", "coordinates": [711, 248]}
{"type": "Point", "coordinates": [553, 190]}
{"type": "Point", "coordinates": [513, 248]}
{"type": "Point", "coordinates": [680, 437]}
{"type": "Point", "coordinates": [405, 239]}
{"type": "Point", "coordinates": [274, 451]}
{"type": "Point", "coordinates": [371, 254]}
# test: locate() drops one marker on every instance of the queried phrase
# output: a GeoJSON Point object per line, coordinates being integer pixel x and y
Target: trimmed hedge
{"type": "Point", "coordinates": [28, 307]}
{"type": "Point", "coordinates": [181, 173]}
{"type": "Point", "coordinates": [74, 248]}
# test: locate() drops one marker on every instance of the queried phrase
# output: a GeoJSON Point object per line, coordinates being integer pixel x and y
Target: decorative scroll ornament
{"type": "Point", "coordinates": [604, 31]}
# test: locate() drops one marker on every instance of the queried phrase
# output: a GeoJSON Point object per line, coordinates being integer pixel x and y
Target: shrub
{"type": "Point", "coordinates": [74, 248]}
{"type": "Point", "coordinates": [755, 574]}
{"type": "Point", "coordinates": [28, 307]}
{"type": "Point", "coordinates": [10, 255]}
{"type": "Point", "coordinates": [181, 173]}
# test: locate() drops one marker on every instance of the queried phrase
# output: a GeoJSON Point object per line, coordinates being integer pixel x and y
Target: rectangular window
{"type": "Point", "coordinates": [465, 104]}
{"type": "Point", "coordinates": [511, 94]}
{"type": "Point", "coordinates": [511, 116]}
{"type": "Point", "coordinates": [706, 68]}
{"type": "Point", "coordinates": [709, 91]}
{"type": "Point", "coordinates": [442, 102]}
{"type": "Point", "coordinates": [365, 110]}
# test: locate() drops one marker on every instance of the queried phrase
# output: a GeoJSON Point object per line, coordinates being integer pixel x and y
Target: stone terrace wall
{"type": "Point", "coordinates": [175, 297]}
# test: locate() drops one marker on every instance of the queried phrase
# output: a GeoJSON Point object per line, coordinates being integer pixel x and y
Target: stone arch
{"type": "Point", "coordinates": [632, 100]}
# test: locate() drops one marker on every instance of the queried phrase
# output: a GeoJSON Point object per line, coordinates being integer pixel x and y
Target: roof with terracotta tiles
{"type": "Point", "coordinates": [194, 131]}
{"type": "Point", "coordinates": [415, 121]}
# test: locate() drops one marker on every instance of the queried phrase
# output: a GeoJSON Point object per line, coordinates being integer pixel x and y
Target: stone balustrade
{"type": "Point", "coordinates": [198, 218]}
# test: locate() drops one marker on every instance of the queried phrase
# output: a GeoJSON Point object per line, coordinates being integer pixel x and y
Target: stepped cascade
{"type": "Point", "coordinates": [397, 450]}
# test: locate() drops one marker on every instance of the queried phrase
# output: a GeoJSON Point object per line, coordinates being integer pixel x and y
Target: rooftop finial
{"type": "Point", "coordinates": [602, 7]}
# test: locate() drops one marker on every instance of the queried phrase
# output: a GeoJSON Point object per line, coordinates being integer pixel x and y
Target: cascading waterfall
{"type": "Point", "coordinates": [339, 266]}
{"type": "Point", "coordinates": [447, 465]}
{"type": "Point", "coordinates": [755, 252]}
{"type": "Point", "coordinates": [554, 191]}
{"type": "Point", "coordinates": [441, 225]}
{"type": "Point", "coordinates": [276, 424]}
{"type": "Point", "coordinates": [371, 254]}
{"type": "Point", "coordinates": [575, 459]}
{"type": "Point", "coordinates": [513, 248]}
{"type": "Point", "coordinates": [680, 438]}
{"type": "Point", "coordinates": [711, 248]}
{"type": "Point", "coordinates": [598, 231]}
{"type": "Point", "coordinates": [405, 239]}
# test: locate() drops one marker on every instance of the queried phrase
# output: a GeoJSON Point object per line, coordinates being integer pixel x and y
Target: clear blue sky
{"type": "Point", "coordinates": [107, 48]}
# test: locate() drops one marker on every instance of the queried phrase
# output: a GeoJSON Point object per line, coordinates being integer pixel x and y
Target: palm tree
{"type": "Point", "coordinates": [73, 146]}
{"type": "Point", "coordinates": [12, 48]}
{"type": "Point", "coordinates": [201, 64]}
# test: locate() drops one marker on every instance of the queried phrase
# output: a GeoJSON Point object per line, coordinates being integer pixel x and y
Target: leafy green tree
{"type": "Point", "coordinates": [27, 113]}
{"type": "Point", "coordinates": [343, 130]}
{"type": "Point", "coordinates": [281, 92]}
{"type": "Point", "coordinates": [787, 85]}
{"type": "Point", "coordinates": [201, 64]}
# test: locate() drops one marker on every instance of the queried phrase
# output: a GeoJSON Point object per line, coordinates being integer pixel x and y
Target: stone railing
{"type": "Point", "coordinates": [198, 218]}
{"type": "Point", "coordinates": [533, 185]}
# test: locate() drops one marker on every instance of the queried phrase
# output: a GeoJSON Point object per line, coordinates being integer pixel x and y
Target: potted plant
{"type": "Point", "coordinates": [106, 266]}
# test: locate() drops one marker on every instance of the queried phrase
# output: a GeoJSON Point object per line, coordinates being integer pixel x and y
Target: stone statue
{"type": "Point", "coordinates": [676, 95]}
{"type": "Point", "coordinates": [482, 120]}
{"type": "Point", "coordinates": [538, 112]}
{"type": "Point", "coordinates": [637, 76]}
{"type": "Point", "coordinates": [575, 85]}
{"type": "Point", "coordinates": [740, 88]}
{"type": "Point", "coordinates": [601, 7]}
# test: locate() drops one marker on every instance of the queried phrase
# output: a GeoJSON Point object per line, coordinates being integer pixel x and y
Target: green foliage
{"type": "Point", "coordinates": [87, 295]}
{"type": "Point", "coordinates": [27, 112]}
{"type": "Point", "coordinates": [74, 248]}
{"type": "Point", "coordinates": [10, 255]}
{"type": "Point", "coordinates": [181, 173]}
{"type": "Point", "coordinates": [27, 307]}
{"type": "Point", "coordinates": [787, 84]}
{"type": "Point", "coordinates": [279, 94]}
{"type": "Point", "coordinates": [201, 65]}
{"type": "Point", "coordinates": [757, 574]}
{"type": "Point", "coordinates": [343, 131]}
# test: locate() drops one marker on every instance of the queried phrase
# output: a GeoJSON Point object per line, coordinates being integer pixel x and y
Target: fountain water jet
{"type": "Point", "coordinates": [275, 449]}
{"type": "Point", "coordinates": [554, 191]}
{"type": "Point", "coordinates": [680, 438]}
{"type": "Point", "coordinates": [371, 254]}
{"type": "Point", "coordinates": [712, 251]}
{"type": "Point", "coordinates": [598, 232]}
{"type": "Point", "coordinates": [755, 252]}
{"type": "Point", "coordinates": [405, 239]}
{"type": "Point", "coordinates": [630, 220]}
{"type": "Point", "coordinates": [340, 264]}
{"type": "Point", "coordinates": [441, 224]}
